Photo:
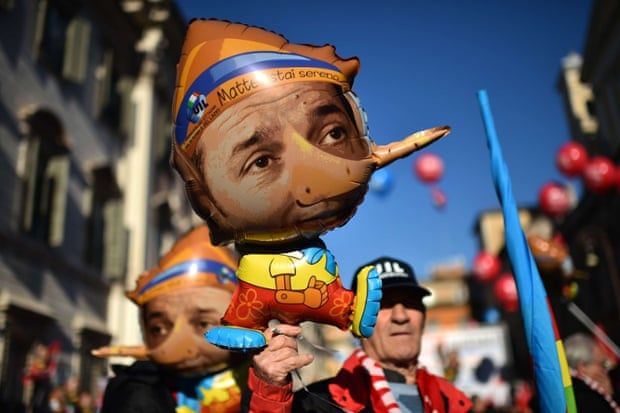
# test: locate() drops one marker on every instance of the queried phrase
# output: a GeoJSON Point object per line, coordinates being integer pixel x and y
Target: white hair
{"type": "Point", "coordinates": [579, 348]}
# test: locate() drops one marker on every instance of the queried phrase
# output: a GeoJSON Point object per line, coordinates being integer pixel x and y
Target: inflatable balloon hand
{"type": "Point", "coordinates": [315, 295]}
{"type": "Point", "coordinates": [274, 149]}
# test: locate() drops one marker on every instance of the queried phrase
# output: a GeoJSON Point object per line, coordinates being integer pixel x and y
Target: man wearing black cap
{"type": "Point", "coordinates": [381, 376]}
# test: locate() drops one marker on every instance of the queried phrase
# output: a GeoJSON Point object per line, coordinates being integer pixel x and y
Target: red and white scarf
{"type": "Point", "coordinates": [349, 388]}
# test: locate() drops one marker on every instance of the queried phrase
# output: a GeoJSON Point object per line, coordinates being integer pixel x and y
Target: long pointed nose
{"type": "Point", "coordinates": [318, 175]}
{"type": "Point", "coordinates": [386, 154]}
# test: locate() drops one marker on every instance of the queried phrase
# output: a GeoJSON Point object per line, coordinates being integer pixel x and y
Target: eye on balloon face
{"type": "Point", "coordinates": [287, 157]}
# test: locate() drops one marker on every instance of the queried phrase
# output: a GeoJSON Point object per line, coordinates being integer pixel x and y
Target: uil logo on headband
{"type": "Point", "coordinates": [196, 106]}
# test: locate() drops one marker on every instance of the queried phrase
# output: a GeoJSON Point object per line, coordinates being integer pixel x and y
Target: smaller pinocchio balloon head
{"type": "Point", "coordinates": [269, 138]}
{"type": "Point", "coordinates": [188, 291]}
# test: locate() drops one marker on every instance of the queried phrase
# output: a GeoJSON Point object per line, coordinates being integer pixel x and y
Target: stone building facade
{"type": "Point", "coordinates": [88, 198]}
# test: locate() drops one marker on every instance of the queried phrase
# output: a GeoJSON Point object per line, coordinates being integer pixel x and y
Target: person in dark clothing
{"type": "Point", "coordinates": [177, 370]}
{"type": "Point", "coordinates": [589, 368]}
{"type": "Point", "coordinates": [145, 386]}
{"type": "Point", "coordinates": [383, 375]}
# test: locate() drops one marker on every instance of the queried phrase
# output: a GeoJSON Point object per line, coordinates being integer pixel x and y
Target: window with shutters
{"type": "Point", "coordinates": [43, 169]}
{"type": "Point", "coordinates": [62, 39]}
{"type": "Point", "coordinates": [75, 61]}
{"type": "Point", "coordinates": [17, 341]}
{"type": "Point", "coordinates": [112, 97]}
{"type": "Point", "coordinates": [91, 369]}
{"type": "Point", "coordinates": [106, 243]}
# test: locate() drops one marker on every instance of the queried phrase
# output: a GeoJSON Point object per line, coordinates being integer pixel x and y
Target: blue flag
{"type": "Point", "coordinates": [553, 382]}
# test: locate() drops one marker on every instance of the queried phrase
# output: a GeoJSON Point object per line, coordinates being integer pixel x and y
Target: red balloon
{"type": "Point", "coordinates": [599, 174]}
{"type": "Point", "coordinates": [505, 290]}
{"type": "Point", "coordinates": [486, 266]}
{"type": "Point", "coordinates": [571, 158]}
{"type": "Point", "coordinates": [429, 167]}
{"type": "Point", "coordinates": [439, 198]}
{"type": "Point", "coordinates": [553, 199]}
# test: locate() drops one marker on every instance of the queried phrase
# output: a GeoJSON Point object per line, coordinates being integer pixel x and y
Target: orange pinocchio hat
{"type": "Point", "coordinates": [223, 62]}
{"type": "Point", "coordinates": [192, 262]}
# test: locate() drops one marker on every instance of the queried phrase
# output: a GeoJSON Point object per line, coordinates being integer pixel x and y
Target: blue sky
{"type": "Point", "coordinates": [422, 63]}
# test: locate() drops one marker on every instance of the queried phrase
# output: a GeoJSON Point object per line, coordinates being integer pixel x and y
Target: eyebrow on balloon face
{"type": "Point", "coordinates": [253, 140]}
{"type": "Point", "coordinates": [156, 315]}
{"type": "Point", "coordinates": [324, 110]}
{"type": "Point", "coordinates": [260, 135]}
{"type": "Point", "coordinates": [205, 311]}
{"type": "Point", "coordinates": [263, 134]}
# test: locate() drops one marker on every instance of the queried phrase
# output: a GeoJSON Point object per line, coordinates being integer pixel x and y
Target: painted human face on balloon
{"type": "Point", "coordinates": [269, 137]}
{"type": "Point", "coordinates": [286, 156]}
{"type": "Point", "coordinates": [179, 299]}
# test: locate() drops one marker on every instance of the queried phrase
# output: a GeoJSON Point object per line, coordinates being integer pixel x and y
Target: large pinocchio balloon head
{"type": "Point", "coordinates": [269, 137]}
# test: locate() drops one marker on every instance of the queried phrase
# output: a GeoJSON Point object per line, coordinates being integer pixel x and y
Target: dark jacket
{"type": "Point", "coordinates": [589, 400]}
{"type": "Point", "coordinates": [140, 387]}
{"type": "Point", "coordinates": [318, 398]}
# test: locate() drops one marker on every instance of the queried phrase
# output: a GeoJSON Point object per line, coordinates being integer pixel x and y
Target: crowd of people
{"type": "Point", "coordinates": [177, 370]}
{"type": "Point", "coordinates": [42, 393]}
{"type": "Point", "coordinates": [69, 398]}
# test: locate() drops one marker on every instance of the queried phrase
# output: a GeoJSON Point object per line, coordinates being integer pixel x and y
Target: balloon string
{"type": "Point", "coordinates": [317, 346]}
{"type": "Point", "coordinates": [318, 397]}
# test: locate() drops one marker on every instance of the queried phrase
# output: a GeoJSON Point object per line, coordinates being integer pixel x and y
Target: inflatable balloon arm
{"type": "Point", "coordinates": [313, 296]}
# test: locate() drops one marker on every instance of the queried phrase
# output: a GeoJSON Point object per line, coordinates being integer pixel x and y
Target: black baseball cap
{"type": "Point", "coordinates": [394, 273]}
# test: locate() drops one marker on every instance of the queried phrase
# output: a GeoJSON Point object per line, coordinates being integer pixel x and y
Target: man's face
{"type": "Point", "coordinates": [201, 308]}
{"type": "Point", "coordinates": [597, 369]}
{"type": "Point", "coordinates": [396, 339]}
{"type": "Point", "coordinates": [259, 158]}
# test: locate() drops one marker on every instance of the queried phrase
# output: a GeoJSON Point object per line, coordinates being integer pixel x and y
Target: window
{"type": "Point", "coordinates": [106, 244]}
{"type": "Point", "coordinates": [91, 369]}
{"type": "Point", "coordinates": [103, 84]}
{"type": "Point", "coordinates": [75, 61]}
{"type": "Point", "coordinates": [17, 342]}
{"type": "Point", "coordinates": [112, 100]}
{"type": "Point", "coordinates": [62, 39]}
{"type": "Point", "coordinates": [44, 172]}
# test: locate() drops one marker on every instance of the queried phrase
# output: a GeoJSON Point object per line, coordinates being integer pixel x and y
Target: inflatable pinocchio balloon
{"type": "Point", "coordinates": [187, 291]}
{"type": "Point", "coordinates": [274, 149]}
